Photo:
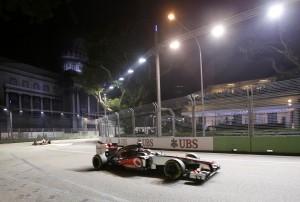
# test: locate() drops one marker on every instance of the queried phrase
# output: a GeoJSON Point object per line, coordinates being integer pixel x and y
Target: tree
{"type": "Point", "coordinates": [284, 50]}
{"type": "Point", "coordinates": [110, 50]}
{"type": "Point", "coordinates": [282, 58]}
{"type": "Point", "coordinates": [90, 82]}
{"type": "Point", "coordinates": [129, 94]}
{"type": "Point", "coordinates": [36, 10]}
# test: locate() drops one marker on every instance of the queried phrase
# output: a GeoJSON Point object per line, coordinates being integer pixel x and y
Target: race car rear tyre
{"type": "Point", "coordinates": [99, 161]}
{"type": "Point", "coordinates": [192, 155]}
{"type": "Point", "coordinates": [174, 169]}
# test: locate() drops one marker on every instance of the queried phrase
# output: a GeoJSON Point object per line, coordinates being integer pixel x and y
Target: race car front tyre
{"type": "Point", "coordinates": [99, 161]}
{"type": "Point", "coordinates": [174, 169]}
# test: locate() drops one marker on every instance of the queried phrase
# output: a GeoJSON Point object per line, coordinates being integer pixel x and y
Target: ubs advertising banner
{"type": "Point", "coordinates": [175, 143]}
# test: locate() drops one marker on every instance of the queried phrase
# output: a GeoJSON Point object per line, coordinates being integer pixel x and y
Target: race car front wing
{"type": "Point", "coordinates": [202, 175]}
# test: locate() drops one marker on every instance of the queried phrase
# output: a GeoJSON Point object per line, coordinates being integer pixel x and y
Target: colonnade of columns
{"type": "Point", "coordinates": [77, 118]}
{"type": "Point", "coordinates": [76, 105]}
{"type": "Point", "coordinates": [20, 103]}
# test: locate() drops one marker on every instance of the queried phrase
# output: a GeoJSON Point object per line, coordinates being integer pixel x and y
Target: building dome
{"type": "Point", "coordinates": [75, 56]}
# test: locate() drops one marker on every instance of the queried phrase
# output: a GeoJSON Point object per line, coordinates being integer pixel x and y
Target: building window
{"type": "Point", "coordinates": [46, 88]}
{"type": "Point", "coordinates": [237, 119]}
{"type": "Point", "coordinates": [272, 118]}
{"type": "Point", "coordinates": [13, 81]}
{"type": "Point", "coordinates": [46, 104]}
{"type": "Point", "coordinates": [36, 102]}
{"type": "Point", "coordinates": [77, 67]}
{"type": "Point", "coordinates": [25, 84]}
{"type": "Point", "coordinates": [54, 89]}
{"type": "Point", "coordinates": [36, 86]}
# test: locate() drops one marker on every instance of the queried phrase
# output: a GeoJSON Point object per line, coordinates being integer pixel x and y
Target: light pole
{"type": "Point", "coordinates": [172, 46]}
{"type": "Point", "coordinates": [157, 64]}
{"type": "Point", "coordinates": [9, 122]}
{"type": "Point", "coordinates": [105, 104]}
{"type": "Point", "coordinates": [217, 32]}
{"type": "Point", "coordinates": [172, 17]}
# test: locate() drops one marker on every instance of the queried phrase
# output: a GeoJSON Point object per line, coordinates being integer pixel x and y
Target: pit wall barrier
{"type": "Point", "coordinates": [238, 144]}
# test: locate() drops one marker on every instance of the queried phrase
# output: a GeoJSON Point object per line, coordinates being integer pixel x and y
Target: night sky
{"type": "Point", "coordinates": [40, 42]}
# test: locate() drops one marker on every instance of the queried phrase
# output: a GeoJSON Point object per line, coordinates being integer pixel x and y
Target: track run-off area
{"type": "Point", "coordinates": [63, 171]}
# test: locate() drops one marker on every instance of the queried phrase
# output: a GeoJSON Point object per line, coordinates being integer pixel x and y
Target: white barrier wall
{"type": "Point", "coordinates": [172, 143]}
{"type": "Point", "coordinates": [54, 134]}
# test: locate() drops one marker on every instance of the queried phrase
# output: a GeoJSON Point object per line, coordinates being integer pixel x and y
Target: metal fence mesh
{"type": "Point", "coordinates": [260, 108]}
{"type": "Point", "coordinates": [263, 108]}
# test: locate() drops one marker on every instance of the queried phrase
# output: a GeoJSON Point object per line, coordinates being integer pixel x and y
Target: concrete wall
{"type": "Point", "coordinates": [172, 143]}
{"type": "Point", "coordinates": [29, 136]}
{"type": "Point", "coordinates": [228, 143]}
{"type": "Point", "coordinates": [257, 144]}
{"type": "Point", "coordinates": [279, 144]}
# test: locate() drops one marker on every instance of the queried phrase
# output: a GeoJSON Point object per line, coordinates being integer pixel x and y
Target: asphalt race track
{"type": "Point", "coordinates": [63, 171]}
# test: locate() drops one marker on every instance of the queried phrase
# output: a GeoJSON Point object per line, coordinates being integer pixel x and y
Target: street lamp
{"type": "Point", "coordinates": [121, 79]}
{"type": "Point", "coordinates": [142, 60]}
{"type": "Point", "coordinates": [157, 65]}
{"type": "Point", "coordinates": [130, 71]}
{"type": "Point", "coordinates": [201, 69]}
{"type": "Point", "coordinates": [174, 45]}
{"type": "Point", "coordinates": [275, 11]}
{"type": "Point", "coordinates": [171, 16]}
{"type": "Point", "coordinates": [218, 31]}
{"type": "Point", "coordinates": [9, 124]}
{"type": "Point", "coordinates": [111, 87]}
{"type": "Point", "coordinates": [289, 102]}
{"type": "Point", "coordinates": [105, 99]}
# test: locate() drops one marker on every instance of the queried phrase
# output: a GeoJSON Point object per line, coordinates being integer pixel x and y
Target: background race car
{"type": "Point", "coordinates": [41, 142]}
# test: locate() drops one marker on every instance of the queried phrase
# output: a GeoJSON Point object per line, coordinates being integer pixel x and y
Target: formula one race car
{"type": "Point", "coordinates": [41, 142]}
{"type": "Point", "coordinates": [136, 157]}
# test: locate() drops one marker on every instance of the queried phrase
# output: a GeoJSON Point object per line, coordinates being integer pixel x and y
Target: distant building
{"type": "Point", "coordinates": [230, 87]}
{"type": "Point", "coordinates": [40, 99]}
{"type": "Point", "coordinates": [74, 58]}
{"type": "Point", "coordinates": [274, 103]}
{"type": "Point", "coordinates": [29, 88]}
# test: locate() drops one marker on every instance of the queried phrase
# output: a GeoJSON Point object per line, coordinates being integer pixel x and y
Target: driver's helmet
{"type": "Point", "coordinates": [140, 144]}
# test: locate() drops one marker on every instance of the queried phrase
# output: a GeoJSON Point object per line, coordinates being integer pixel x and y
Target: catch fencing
{"type": "Point", "coordinates": [250, 108]}
{"type": "Point", "coordinates": [26, 125]}
{"type": "Point", "coordinates": [258, 107]}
